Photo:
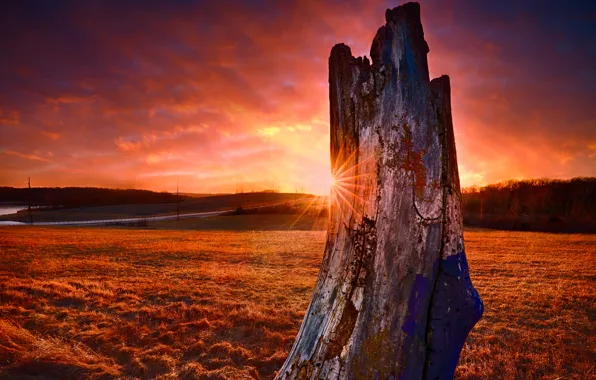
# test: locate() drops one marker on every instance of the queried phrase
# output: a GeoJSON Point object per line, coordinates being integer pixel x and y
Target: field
{"type": "Point", "coordinates": [188, 205]}
{"type": "Point", "coordinates": [143, 303]}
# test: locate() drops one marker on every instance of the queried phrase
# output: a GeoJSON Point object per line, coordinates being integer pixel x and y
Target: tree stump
{"type": "Point", "coordinates": [393, 299]}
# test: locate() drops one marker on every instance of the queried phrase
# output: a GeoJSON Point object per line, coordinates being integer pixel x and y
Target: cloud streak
{"type": "Point", "coordinates": [25, 156]}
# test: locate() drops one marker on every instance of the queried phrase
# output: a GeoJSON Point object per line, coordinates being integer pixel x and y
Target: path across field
{"type": "Point", "coordinates": [100, 222]}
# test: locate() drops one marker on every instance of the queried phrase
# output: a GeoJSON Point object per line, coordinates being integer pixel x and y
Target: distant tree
{"type": "Point", "coordinates": [571, 203]}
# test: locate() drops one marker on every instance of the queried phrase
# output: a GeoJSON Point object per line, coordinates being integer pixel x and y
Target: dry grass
{"type": "Point", "coordinates": [540, 306]}
{"type": "Point", "coordinates": [252, 222]}
{"type": "Point", "coordinates": [105, 303]}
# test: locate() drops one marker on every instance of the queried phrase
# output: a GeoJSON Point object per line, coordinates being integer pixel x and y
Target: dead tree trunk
{"type": "Point", "coordinates": [393, 299]}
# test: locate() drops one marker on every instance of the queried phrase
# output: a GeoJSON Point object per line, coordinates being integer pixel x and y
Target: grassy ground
{"type": "Point", "coordinates": [250, 222]}
{"type": "Point", "coordinates": [539, 292]}
{"type": "Point", "coordinates": [104, 303]}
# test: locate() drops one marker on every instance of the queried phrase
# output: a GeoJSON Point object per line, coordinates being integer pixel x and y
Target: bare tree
{"type": "Point", "coordinates": [393, 299]}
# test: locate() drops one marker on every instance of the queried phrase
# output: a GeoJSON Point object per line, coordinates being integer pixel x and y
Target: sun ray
{"type": "Point", "coordinates": [349, 205]}
{"type": "Point", "coordinates": [351, 185]}
{"type": "Point", "coordinates": [302, 214]}
{"type": "Point", "coordinates": [353, 167]}
{"type": "Point", "coordinates": [338, 205]}
{"type": "Point", "coordinates": [344, 191]}
{"type": "Point", "coordinates": [338, 162]}
{"type": "Point", "coordinates": [346, 161]}
{"type": "Point", "coordinates": [336, 159]}
{"type": "Point", "coordinates": [318, 206]}
{"type": "Point", "coordinates": [348, 193]}
{"type": "Point", "coordinates": [344, 179]}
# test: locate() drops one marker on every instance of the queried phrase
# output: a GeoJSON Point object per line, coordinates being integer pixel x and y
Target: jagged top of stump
{"type": "Point", "coordinates": [407, 17]}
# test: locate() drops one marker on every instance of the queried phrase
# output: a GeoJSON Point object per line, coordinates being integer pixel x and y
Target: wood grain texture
{"type": "Point", "coordinates": [394, 270]}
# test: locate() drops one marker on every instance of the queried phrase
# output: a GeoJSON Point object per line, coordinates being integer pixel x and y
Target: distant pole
{"type": "Point", "coordinates": [481, 207]}
{"type": "Point", "coordinates": [177, 201]}
{"type": "Point", "coordinates": [30, 216]}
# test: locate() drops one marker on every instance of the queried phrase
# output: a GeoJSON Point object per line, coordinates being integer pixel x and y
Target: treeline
{"type": "Point", "coordinates": [533, 205]}
{"type": "Point", "coordinates": [71, 197]}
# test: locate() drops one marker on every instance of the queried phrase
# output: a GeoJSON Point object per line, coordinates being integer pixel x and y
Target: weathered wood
{"type": "Point", "coordinates": [393, 298]}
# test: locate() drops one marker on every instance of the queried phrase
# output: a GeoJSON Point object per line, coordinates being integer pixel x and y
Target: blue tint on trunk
{"type": "Point", "coordinates": [455, 310]}
{"type": "Point", "coordinates": [415, 325]}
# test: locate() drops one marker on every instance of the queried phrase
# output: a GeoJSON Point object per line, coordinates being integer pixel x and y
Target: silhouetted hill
{"type": "Point", "coordinates": [69, 197]}
{"type": "Point", "coordinates": [533, 205]}
{"type": "Point", "coordinates": [111, 204]}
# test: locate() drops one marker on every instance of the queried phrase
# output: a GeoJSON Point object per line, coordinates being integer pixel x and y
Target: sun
{"type": "Point", "coordinates": [329, 182]}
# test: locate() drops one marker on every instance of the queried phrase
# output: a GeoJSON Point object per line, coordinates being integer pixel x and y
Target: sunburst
{"type": "Point", "coordinates": [345, 186]}
{"type": "Point", "coordinates": [347, 183]}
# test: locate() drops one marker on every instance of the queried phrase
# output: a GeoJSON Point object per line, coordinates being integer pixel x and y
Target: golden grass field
{"type": "Point", "coordinates": [133, 303]}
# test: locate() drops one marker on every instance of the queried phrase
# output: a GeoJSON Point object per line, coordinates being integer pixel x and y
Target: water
{"type": "Point", "coordinates": [12, 209]}
{"type": "Point", "coordinates": [2, 223]}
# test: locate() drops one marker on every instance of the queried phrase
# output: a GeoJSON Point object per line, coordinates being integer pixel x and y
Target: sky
{"type": "Point", "coordinates": [233, 95]}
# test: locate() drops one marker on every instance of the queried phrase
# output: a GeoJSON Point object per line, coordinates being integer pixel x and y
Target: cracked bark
{"type": "Point", "coordinates": [393, 299]}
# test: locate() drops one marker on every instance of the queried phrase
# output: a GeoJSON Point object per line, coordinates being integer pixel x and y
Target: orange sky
{"type": "Point", "coordinates": [234, 94]}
